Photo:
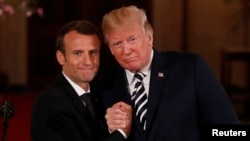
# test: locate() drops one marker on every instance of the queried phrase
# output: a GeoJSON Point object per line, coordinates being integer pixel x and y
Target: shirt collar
{"type": "Point", "coordinates": [76, 87]}
{"type": "Point", "coordinates": [145, 70]}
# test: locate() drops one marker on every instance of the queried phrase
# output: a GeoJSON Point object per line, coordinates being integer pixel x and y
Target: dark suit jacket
{"type": "Point", "coordinates": [59, 115]}
{"type": "Point", "coordinates": [184, 98]}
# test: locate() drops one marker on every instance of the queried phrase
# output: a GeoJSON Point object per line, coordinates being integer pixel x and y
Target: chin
{"type": "Point", "coordinates": [87, 77]}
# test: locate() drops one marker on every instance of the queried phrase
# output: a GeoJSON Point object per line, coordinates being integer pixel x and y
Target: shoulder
{"type": "Point", "coordinates": [52, 96]}
{"type": "Point", "coordinates": [107, 80]}
{"type": "Point", "coordinates": [173, 57]}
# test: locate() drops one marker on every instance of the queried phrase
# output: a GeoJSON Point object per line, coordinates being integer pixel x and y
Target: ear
{"type": "Point", "coordinates": [60, 57]}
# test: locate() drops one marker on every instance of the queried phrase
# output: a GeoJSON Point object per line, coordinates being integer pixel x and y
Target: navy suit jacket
{"type": "Point", "coordinates": [59, 115]}
{"type": "Point", "coordinates": [184, 98]}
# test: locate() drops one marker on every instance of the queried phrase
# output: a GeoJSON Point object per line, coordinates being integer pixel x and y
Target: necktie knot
{"type": "Point", "coordinates": [139, 76]}
{"type": "Point", "coordinates": [86, 98]}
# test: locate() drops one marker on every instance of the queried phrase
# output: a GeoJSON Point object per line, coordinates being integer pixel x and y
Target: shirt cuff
{"type": "Point", "coordinates": [122, 132]}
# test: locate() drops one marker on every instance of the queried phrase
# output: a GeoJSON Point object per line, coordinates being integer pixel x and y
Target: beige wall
{"type": "Point", "coordinates": [167, 24]}
{"type": "Point", "coordinates": [210, 28]}
{"type": "Point", "coordinates": [207, 30]}
{"type": "Point", "coordinates": [13, 51]}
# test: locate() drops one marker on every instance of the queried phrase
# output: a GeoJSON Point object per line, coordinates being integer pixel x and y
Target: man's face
{"type": "Point", "coordinates": [81, 59]}
{"type": "Point", "coordinates": [131, 46]}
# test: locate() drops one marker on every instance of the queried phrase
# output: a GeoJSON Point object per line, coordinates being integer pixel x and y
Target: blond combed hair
{"type": "Point", "coordinates": [127, 15]}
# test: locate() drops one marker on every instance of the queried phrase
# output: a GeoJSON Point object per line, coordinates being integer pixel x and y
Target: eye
{"type": "Point", "coordinates": [132, 40]}
{"type": "Point", "coordinates": [77, 53]}
{"type": "Point", "coordinates": [94, 52]}
{"type": "Point", "coordinates": [116, 44]}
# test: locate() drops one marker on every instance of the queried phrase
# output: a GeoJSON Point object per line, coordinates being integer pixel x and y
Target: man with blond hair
{"type": "Point", "coordinates": [174, 96]}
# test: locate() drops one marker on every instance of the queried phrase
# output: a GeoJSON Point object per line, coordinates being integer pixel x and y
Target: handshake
{"type": "Point", "coordinates": [119, 117]}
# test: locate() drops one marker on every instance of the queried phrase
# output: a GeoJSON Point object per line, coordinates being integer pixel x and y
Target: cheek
{"type": "Point", "coordinates": [117, 53]}
{"type": "Point", "coordinates": [73, 62]}
{"type": "Point", "coordinates": [96, 61]}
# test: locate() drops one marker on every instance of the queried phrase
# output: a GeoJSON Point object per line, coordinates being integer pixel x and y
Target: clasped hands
{"type": "Point", "coordinates": [119, 116]}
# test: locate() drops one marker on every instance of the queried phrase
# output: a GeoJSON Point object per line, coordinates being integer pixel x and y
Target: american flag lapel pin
{"type": "Point", "coordinates": [160, 74]}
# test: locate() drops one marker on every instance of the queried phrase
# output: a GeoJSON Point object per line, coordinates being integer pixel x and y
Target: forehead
{"type": "Point", "coordinates": [77, 40]}
{"type": "Point", "coordinates": [123, 32]}
{"type": "Point", "coordinates": [76, 36]}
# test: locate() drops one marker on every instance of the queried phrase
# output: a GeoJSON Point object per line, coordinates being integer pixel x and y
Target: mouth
{"type": "Point", "coordinates": [86, 69]}
{"type": "Point", "coordinates": [129, 59]}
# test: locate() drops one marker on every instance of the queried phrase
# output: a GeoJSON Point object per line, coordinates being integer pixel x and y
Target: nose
{"type": "Point", "coordinates": [126, 48]}
{"type": "Point", "coordinates": [86, 59]}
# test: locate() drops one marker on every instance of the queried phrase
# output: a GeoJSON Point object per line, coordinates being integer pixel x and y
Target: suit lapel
{"type": "Point", "coordinates": [159, 74]}
{"type": "Point", "coordinates": [72, 95]}
{"type": "Point", "coordinates": [94, 124]}
{"type": "Point", "coordinates": [122, 89]}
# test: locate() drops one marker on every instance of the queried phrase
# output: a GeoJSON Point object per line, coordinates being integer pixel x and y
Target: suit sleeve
{"type": "Point", "coordinates": [214, 103]}
{"type": "Point", "coordinates": [55, 119]}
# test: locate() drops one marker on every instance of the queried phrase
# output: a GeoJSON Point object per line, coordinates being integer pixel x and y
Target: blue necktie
{"type": "Point", "coordinates": [139, 97]}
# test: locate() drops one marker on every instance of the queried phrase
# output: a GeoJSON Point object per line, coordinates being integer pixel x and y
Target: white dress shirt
{"type": "Point", "coordinates": [146, 70]}
{"type": "Point", "coordinates": [80, 91]}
